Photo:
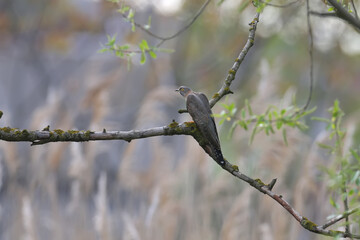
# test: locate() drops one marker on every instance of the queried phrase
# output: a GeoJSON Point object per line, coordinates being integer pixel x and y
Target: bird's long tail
{"type": "Point", "coordinates": [219, 157]}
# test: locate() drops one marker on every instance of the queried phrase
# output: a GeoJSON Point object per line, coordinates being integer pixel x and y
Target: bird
{"type": "Point", "coordinates": [197, 105]}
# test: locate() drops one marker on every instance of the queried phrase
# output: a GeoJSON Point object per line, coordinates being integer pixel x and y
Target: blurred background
{"type": "Point", "coordinates": [164, 187]}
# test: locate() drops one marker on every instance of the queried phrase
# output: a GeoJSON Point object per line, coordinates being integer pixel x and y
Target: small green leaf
{"type": "Point", "coordinates": [284, 136]}
{"type": "Point", "coordinates": [320, 119]}
{"type": "Point", "coordinates": [131, 14]}
{"type": "Point", "coordinates": [333, 203]}
{"type": "Point", "coordinates": [111, 40]}
{"type": "Point", "coordinates": [248, 107]}
{"type": "Point", "coordinates": [243, 124]}
{"type": "Point", "coordinates": [119, 54]}
{"type": "Point", "coordinates": [132, 25]}
{"type": "Point", "coordinates": [232, 129]}
{"type": "Point", "coordinates": [124, 47]}
{"type": "Point", "coordinates": [144, 45]}
{"type": "Point", "coordinates": [152, 54]}
{"type": "Point", "coordinates": [330, 9]}
{"type": "Point", "coordinates": [356, 176]}
{"type": "Point", "coordinates": [142, 58]}
{"type": "Point", "coordinates": [103, 50]}
{"type": "Point", "coordinates": [243, 113]}
{"type": "Point", "coordinates": [254, 131]}
{"type": "Point", "coordinates": [123, 9]}
{"type": "Point", "coordinates": [325, 146]}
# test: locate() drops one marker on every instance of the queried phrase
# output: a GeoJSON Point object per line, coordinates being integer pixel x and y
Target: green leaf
{"type": "Point", "coordinates": [320, 119]}
{"type": "Point", "coordinates": [284, 136]}
{"type": "Point", "coordinates": [330, 9]}
{"type": "Point", "coordinates": [232, 129]}
{"type": "Point", "coordinates": [248, 107]}
{"type": "Point", "coordinates": [224, 105]}
{"type": "Point", "coordinates": [355, 177]}
{"type": "Point", "coordinates": [114, 1]}
{"type": "Point", "coordinates": [279, 124]}
{"type": "Point", "coordinates": [333, 203]}
{"type": "Point", "coordinates": [152, 54]}
{"type": "Point", "coordinates": [144, 45]}
{"type": "Point", "coordinates": [254, 131]}
{"type": "Point", "coordinates": [124, 47]}
{"type": "Point", "coordinates": [243, 113]}
{"type": "Point", "coordinates": [111, 40]}
{"type": "Point", "coordinates": [142, 58]}
{"type": "Point", "coordinates": [119, 54]}
{"type": "Point", "coordinates": [131, 14]}
{"type": "Point", "coordinates": [103, 50]}
{"type": "Point", "coordinates": [355, 155]}
{"type": "Point", "coordinates": [123, 9]}
{"type": "Point", "coordinates": [325, 146]}
{"type": "Point", "coordinates": [243, 124]}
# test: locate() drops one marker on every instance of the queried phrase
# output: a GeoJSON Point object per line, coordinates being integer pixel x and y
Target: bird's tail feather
{"type": "Point", "coordinates": [219, 157]}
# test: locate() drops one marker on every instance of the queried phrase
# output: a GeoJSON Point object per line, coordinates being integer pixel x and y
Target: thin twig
{"type": "Point", "coordinates": [311, 46]}
{"type": "Point", "coordinates": [339, 217]}
{"type": "Point", "coordinates": [164, 39]}
{"type": "Point", "coordinates": [280, 5]}
{"type": "Point", "coordinates": [320, 14]}
{"type": "Point", "coordinates": [355, 11]}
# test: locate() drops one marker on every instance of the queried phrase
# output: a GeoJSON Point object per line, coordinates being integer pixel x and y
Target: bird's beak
{"type": "Point", "coordinates": [177, 90]}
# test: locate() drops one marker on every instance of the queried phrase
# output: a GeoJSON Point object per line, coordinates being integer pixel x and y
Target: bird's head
{"type": "Point", "coordinates": [184, 91]}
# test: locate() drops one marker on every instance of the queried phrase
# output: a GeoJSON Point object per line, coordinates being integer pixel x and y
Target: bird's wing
{"type": "Point", "coordinates": [199, 109]}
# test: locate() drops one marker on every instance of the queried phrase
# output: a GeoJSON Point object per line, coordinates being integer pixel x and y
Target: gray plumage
{"type": "Point", "coordinates": [199, 109]}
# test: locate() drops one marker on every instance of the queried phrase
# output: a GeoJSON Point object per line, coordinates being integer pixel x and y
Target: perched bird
{"type": "Point", "coordinates": [199, 109]}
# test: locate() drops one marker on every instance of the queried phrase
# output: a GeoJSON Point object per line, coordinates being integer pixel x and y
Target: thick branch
{"type": "Point", "coordinates": [342, 13]}
{"type": "Point", "coordinates": [58, 135]}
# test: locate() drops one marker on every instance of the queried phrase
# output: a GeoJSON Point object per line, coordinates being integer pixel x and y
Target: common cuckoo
{"type": "Point", "coordinates": [199, 109]}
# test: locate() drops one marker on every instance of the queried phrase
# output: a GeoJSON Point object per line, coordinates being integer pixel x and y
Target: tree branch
{"type": "Point", "coordinates": [339, 217]}
{"type": "Point", "coordinates": [164, 39]}
{"type": "Point", "coordinates": [342, 13]}
{"type": "Point", "coordinates": [319, 14]}
{"type": "Point", "coordinates": [225, 89]}
{"type": "Point", "coordinates": [186, 128]}
{"type": "Point", "coordinates": [46, 136]}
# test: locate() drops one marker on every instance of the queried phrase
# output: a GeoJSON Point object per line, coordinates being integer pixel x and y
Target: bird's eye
{"type": "Point", "coordinates": [182, 89]}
